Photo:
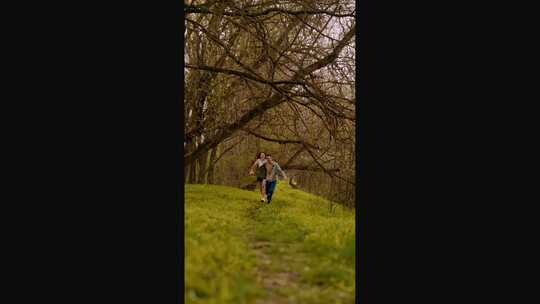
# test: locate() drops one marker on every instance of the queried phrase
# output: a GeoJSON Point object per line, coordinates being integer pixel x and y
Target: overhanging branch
{"type": "Point", "coordinates": [282, 141]}
{"type": "Point", "coordinates": [240, 74]}
{"type": "Point", "coordinates": [309, 168]}
{"type": "Point", "coordinates": [191, 9]}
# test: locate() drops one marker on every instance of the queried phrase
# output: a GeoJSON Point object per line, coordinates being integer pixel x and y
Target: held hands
{"type": "Point", "coordinates": [251, 172]}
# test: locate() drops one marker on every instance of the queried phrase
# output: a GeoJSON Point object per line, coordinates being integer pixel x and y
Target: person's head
{"type": "Point", "coordinates": [261, 155]}
{"type": "Point", "coordinates": [269, 158]}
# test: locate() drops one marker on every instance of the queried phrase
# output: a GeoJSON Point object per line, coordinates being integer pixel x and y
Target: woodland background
{"type": "Point", "coordinates": [273, 76]}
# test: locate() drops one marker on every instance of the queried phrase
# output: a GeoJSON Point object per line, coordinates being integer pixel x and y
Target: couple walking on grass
{"type": "Point", "coordinates": [266, 171]}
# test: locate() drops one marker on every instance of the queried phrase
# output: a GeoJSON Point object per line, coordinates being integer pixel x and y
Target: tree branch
{"type": "Point", "coordinates": [191, 9]}
{"type": "Point", "coordinates": [240, 74]}
{"type": "Point", "coordinates": [308, 168]}
{"type": "Point", "coordinates": [281, 141]}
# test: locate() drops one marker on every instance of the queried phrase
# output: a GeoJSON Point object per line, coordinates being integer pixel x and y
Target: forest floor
{"type": "Point", "coordinates": [298, 249]}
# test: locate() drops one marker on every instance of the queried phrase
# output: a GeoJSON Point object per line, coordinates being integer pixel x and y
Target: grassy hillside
{"type": "Point", "coordinates": [298, 249]}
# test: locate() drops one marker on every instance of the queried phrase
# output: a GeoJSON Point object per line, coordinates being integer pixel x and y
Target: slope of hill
{"type": "Point", "coordinates": [298, 249]}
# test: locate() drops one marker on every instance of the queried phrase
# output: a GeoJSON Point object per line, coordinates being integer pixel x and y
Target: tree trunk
{"type": "Point", "coordinates": [201, 178]}
{"type": "Point", "coordinates": [186, 172]}
{"type": "Point", "coordinates": [187, 167]}
{"type": "Point", "coordinates": [192, 173]}
{"type": "Point", "coordinates": [212, 165]}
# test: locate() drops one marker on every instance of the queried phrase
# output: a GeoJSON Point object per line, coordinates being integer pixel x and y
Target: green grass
{"type": "Point", "coordinates": [304, 234]}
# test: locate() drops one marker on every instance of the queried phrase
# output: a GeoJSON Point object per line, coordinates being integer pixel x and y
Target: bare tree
{"type": "Point", "coordinates": [280, 72]}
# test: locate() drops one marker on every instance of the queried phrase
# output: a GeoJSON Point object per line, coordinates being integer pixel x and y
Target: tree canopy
{"type": "Point", "coordinates": [272, 75]}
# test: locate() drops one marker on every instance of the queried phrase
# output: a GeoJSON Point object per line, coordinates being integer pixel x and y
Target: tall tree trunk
{"type": "Point", "coordinates": [187, 167]}
{"type": "Point", "coordinates": [186, 172]}
{"type": "Point", "coordinates": [201, 178]}
{"type": "Point", "coordinates": [212, 165]}
{"type": "Point", "coordinates": [192, 173]}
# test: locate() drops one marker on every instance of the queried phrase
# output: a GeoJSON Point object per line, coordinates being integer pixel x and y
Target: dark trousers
{"type": "Point", "coordinates": [270, 186]}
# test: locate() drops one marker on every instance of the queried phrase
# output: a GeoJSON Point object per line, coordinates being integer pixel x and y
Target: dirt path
{"type": "Point", "coordinates": [271, 280]}
{"type": "Point", "coordinates": [271, 271]}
